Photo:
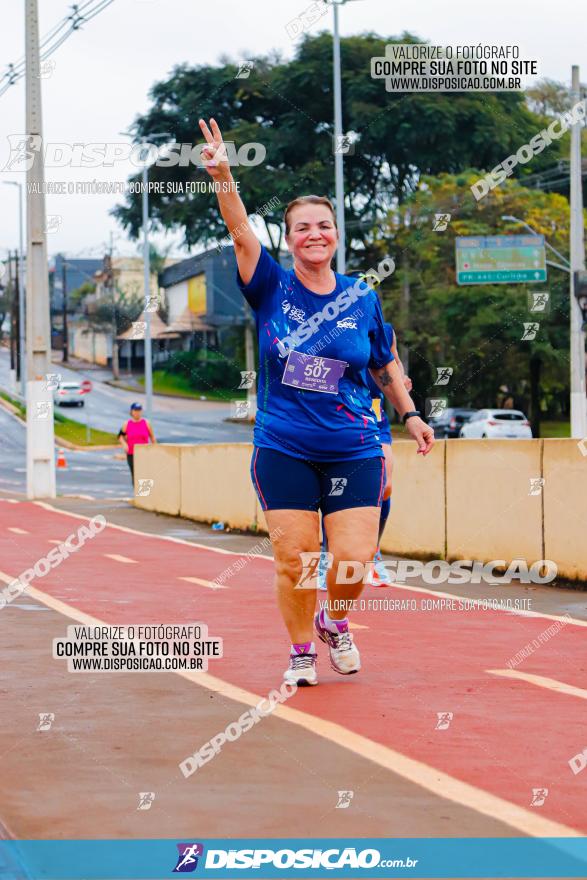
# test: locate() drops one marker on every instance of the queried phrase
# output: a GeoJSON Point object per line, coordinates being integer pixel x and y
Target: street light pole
{"type": "Point", "coordinates": [147, 270]}
{"type": "Point", "coordinates": [21, 294]}
{"type": "Point", "coordinates": [39, 425]}
{"type": "Point", "coordinates": [147, 294]}
{"type": "Point", "coordinates": [578, 399]}
{"type": "Point", "coordinates": [338, 156]}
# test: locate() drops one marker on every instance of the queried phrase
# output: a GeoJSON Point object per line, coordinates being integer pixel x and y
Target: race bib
{"type": "Point", "coordinates": [313, 373]}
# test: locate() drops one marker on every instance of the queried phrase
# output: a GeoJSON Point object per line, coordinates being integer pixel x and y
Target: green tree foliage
{"type": "Point", "coordinates": [287, 106]}
{"type": "Point", "coordinates": [477, 329]}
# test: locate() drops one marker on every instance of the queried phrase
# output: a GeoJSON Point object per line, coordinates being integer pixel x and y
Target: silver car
{"type": "Point", "coordinates": [498, 424]}
{"type": "Point", "coordinates": [69, 393]}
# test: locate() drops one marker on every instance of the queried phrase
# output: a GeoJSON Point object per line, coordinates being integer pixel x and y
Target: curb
{"type": "Point", "coordinates": [141, 391]}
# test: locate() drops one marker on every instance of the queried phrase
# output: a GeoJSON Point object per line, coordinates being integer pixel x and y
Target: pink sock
{"type": "Point", "coordinates": [334, 626]}
{"type": "Point", "coordinates": [303, 648]}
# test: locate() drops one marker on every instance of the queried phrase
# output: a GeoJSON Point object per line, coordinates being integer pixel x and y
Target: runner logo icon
{"type": "Point", "coordinates": [187, 860]}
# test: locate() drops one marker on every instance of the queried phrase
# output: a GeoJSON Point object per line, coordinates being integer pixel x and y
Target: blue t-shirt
{"type": "Point", "coordinates": [347, 325]}
{"type": "Point", "coordinates": [375, 390]}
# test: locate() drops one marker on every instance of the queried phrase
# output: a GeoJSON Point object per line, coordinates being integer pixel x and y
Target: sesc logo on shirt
{"type": "Point", "coordinates": [347, 324]}
{"type": "Point", "coordinates": [293, 312]}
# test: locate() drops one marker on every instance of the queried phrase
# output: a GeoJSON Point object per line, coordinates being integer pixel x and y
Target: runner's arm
{"type": "Point", "coordinates": [122, 437]}
{"type": "Point", "coordinates": [150, 430]}
{"type": "Point", "coordinates": [389, 379]}
{"type": "Point", "coordinates": [247, 247]}
{"type": "Point", "coordinates": [406, 379]}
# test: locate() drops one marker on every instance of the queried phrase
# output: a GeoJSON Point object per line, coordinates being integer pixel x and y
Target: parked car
{"type": "Point", "coordinates": [451, 421]}
{"type": "Point", "coordinates": [69, 393]}
{"type": "Point", "coordinates": [498, 424]}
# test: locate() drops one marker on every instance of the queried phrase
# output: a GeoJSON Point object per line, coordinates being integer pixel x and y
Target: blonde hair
{"type": "Point", "coordinates": [307, 200]}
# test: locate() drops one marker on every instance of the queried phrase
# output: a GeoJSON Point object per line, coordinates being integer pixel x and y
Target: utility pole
{"type": "Point", "coordinates": [65, 341]}
{"type": "Point", "coordinates": [109, 284]}
{"type": "Point", "coordinates": [577, 258]}
{"type": "Point", "coordinates": [21, 294]}
{"type": "Point", "coordinates": [250, 364]}
{"type": "Point", "coordinates": [13, 325]}
{"type": "Point", "coordinates": [40, 429]}
{"type": "Point", "coordinates": [19, 351]}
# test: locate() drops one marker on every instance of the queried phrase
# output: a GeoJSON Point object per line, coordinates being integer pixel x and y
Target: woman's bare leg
{"type": "Point", "coordinates": [294, 532]}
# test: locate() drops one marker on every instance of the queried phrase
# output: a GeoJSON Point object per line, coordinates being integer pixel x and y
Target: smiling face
{"type": "Point", "coordinates": [136, 414]}
{"type": "Point", "coordinates": [312, 237]}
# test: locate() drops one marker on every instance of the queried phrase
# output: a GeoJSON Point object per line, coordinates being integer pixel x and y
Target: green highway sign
{"type": "Point", "coordinates": [500, 259]}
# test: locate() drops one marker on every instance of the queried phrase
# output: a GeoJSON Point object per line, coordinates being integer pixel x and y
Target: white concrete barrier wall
{"type": "Point", "coordinates": [565, 505]}
{"type": "Point", "coordinates": [490, 511]}
{"type": "Point", "coordinates": [469, 499]}
{"type": "Point", "coordinates": [416, 524]}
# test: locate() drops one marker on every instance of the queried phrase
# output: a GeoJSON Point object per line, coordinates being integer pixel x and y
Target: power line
{"type": "Point", "coordinates": [80, 14]}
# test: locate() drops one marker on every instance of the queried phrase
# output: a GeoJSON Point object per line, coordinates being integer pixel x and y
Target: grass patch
{"type": "Point", "coordinates": [180, 386]}
{"type": "Point", "coordinates": [68, 429]}
{"type": "Point", "coordinates": [75, 432]}
{"type": "Point", "coordinates": [555, 429]}
{"type": "Point", "coordinates": [16, 403]}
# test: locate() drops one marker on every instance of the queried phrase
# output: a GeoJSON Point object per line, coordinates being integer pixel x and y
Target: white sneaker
{"type": "Point", "coordinates": [379, 575]}
{"type": "Point", "coordinates": [344, 654]}
{"type": "Point", "coordinates": [301, 670]}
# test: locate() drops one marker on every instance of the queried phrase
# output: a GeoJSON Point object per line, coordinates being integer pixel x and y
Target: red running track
{"type": "Point", "coordinates": [506, 737]}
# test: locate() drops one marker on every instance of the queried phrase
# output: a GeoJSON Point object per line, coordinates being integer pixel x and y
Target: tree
{"type": "Point", "coordinates": [287, 107]}
{"type": "Point", "coordinates": [548, 97]}
{"type": "Point", "coordinates": [76, 297]}
{"type": "Point", "coordinates": [477, 330]}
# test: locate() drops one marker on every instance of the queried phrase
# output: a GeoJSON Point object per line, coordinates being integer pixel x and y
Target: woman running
{"type": "Point", "coordinates": [315, 439]}
{"type": "Point", "coordinates": [135, 431]}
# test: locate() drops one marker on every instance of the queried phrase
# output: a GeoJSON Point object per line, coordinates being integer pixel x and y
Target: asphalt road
{"type": "Point", "coordinates": [175, 420]}
{"type": "Point", "coordinates": [96, 474]}
{"type": "Point", "coordinates": [104, 473]}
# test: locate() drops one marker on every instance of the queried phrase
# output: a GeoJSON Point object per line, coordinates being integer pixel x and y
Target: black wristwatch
{"type": "Point", "coordinates": [408, 415]}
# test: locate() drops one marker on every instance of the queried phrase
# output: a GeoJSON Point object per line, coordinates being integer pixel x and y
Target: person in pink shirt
{"type": "Point", "coordinates": [135, 431]}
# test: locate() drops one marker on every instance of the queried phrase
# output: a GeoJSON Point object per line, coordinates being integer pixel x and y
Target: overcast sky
{"type": "Point", "coordinates": [103, 72]}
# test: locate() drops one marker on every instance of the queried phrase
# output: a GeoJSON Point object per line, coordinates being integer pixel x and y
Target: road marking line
{"type": "Point", "coordinates": [357, 626]}
{"type": "Point", "coordinates": [130, 531]}
{"type": "Point", "coordinates": [210, 584]}
{"type": "Point", "coordinates": [550, 684]}
{"type": "Point", "coordinates": [55, 541]}
{"type": "Point", "coordinates": [18, 531]}
{"type": "Point", "coordinates": [520, 612]}
{"type": "Point", "coordinates": [117, 558]}
{"type": "Point", "coordinates": [576, 621]}
{"type": "Point", "coordinates": [435, 781]}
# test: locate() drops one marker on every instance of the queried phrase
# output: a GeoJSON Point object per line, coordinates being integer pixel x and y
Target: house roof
{"type": "Point", "coordinates": [188, 322]}
{"type": "Point", "coordinates": [159, 328]}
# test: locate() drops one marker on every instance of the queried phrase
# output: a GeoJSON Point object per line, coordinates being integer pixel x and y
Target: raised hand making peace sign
{"type": "Point", "coordinates": [214, 153]}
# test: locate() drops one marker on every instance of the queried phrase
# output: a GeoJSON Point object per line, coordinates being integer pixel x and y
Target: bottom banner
{"type": "Point", "coordinates": [269, 858]}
